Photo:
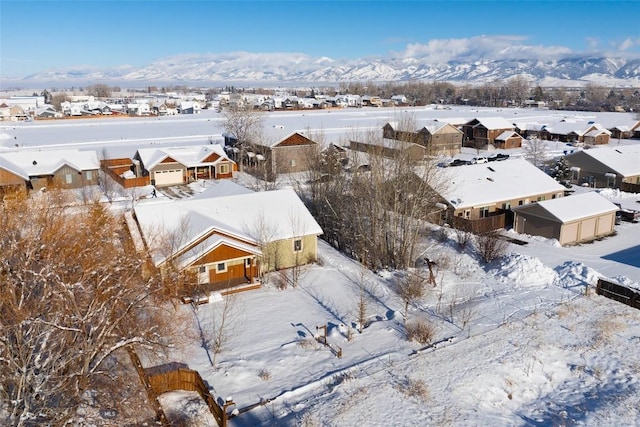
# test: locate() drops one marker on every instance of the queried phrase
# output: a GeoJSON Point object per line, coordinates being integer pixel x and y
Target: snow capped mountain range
{"type": "Point", "coordinates": [283, 68]}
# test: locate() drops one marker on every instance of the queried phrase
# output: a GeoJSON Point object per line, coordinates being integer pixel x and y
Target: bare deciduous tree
{"type": "Point", "coordinates": [536, 151]}
{"type": "Point", "coordinates": [245, 126]}
{"type": "Point", "coordinates": [410, 289]}
{"type": "Point", "coordinates": [72, 295]}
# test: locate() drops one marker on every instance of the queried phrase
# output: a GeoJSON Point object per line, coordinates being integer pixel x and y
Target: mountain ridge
{"type": "Point", "coordinates": [283, 68]}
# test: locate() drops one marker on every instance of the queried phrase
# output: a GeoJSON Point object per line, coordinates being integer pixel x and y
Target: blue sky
{"type": "Point", "coordinates": [43, 35]}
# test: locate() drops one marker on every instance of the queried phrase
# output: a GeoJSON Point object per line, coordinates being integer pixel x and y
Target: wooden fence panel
{"type": "Point", "coordinates": [190, 380]}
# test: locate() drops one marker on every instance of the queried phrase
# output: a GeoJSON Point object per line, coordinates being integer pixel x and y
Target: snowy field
{"type": "Point", "coordinates": [522, 341]}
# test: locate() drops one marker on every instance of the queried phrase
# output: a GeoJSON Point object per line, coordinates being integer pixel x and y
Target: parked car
{"type": "Point", "coordinates": [630, 215]}
{"type": "Point", "coordinates": [459, 162]}
{"type": "Point", "coordinates": [479, 160]}
{"type": "Point", "coordinates": [498, 157]}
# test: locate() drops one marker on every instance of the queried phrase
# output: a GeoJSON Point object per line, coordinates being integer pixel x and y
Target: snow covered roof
{"type": "Point", "coordinates": [35, 163]}
{"type": "Point", "coordinates": [571, 208]}
{"type": "Point", "coordinates": [275, 134]}
{"type": "Point", "coordinates": [280, 213]}
{"type": "Point", "coordinates": [189, 156]}
{"type": "Point", "coordinates": [623, 159]}
{"type": "Point", "coordinates": [565, 128]}
{"type": "Point", "coordinates": [484, 184]}
{"type": "Point", "coordinates": [222, 188]}
{"type": "Point", "coordinates": [597, 132]}
{"type": "Point", "coordinates": [506, 134]}
{"type": "Point", "coordinates": [494, 122]}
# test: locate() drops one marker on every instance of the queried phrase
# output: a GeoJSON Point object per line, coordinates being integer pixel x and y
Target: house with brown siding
{"type": "Point", "coordinates": [437, 137]}
{"type": "Point", "coordinates": [59, 168]}
{"type": "Point", "coordinates": [179, 165]}
{"type": "Point", "coordinates": [229, 237]}
{"type": "Point", "coordinates": [282, 151]}
{"type": "Point", "coordinates": [479, 197]}
{"type": "Point", "coordinates": [390, 148]}
{"type": "Point", "coordinates": [480, 132]}
{"type": "Point", "coordinates": [576, 132]}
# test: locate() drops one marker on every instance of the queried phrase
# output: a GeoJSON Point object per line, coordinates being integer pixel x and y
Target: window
{"type": "Point", "coordinates": [221, 267]}
{"type": "Point", "coordinates": [297, 245]}
{"type": "Point", "coordinates": [224, 168]}
{"type": "Point", "coordinates": [506, 206]}
{"type": "Point", "coordinates": [541, 198]}
{"type": "Point", "coordinates": [484, 212]}
{"type": "Point", "coordinates": [247, 262]}
{"type": "Point", "coordinates": [520, 202]}
{"type": "Point", "coordinates": [89, 175]}
{"type": "Point", "coordinates": [68, 178]}
{"type": "Point", "coordinates": [202, 269]}
{"type": "Point", "coordinates": [292, 162]}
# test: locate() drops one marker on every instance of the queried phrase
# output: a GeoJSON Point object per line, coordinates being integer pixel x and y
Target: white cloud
{"type": "Point", "coordinates": [627, 44]}
{"type": "Point", "coordinates": [480, 48]}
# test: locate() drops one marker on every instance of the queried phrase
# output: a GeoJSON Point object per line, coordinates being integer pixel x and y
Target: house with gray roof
{"type": "Point", "coordinates": [613, 167]}
{"type": "Point", "coordinates": [39, 169]}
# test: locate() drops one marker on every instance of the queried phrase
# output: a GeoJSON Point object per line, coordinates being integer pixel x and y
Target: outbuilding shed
{"type": "Point", "coordinates": [573, 219]}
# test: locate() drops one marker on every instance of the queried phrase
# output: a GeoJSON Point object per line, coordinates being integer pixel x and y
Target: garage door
{"type": "Point", "coordinates": [605, 225]}
{"type": "Point", "coordinates": [588, 229]}
{"type": "Point", "coordinates": [168, 177]}
{"type": "Point", "coordinates": [569, 233]}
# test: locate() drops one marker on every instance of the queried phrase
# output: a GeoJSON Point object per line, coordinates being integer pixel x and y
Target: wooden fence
{"type": "Point", "coordinates": [115, 167]}
{"type": "Point", "coordinates": [629, 187]}
{"type": "Point", "coordinates": [152, 396]}
{"type": "Point", "coordinates": [190, 380]}
{"type": "Point", "coordinates": [618, 292]}
{"type": "Point", "coordinates": [480, 225]}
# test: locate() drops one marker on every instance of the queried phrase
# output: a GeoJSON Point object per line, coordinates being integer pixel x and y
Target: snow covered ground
{"type": "Point", "coordinates": [523, 340]}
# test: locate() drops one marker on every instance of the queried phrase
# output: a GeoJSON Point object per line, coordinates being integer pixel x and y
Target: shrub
{"type": "Point", "coordinates": [420, 331]}
{"type": "Point", "coordinates": [416, 389]}
{"type": "Point", "coordinates": [264, 374]}
{"type": "Point", "coordinates": [491, 246]}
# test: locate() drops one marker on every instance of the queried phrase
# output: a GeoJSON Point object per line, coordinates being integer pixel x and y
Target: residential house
{"type": "Point", "coordinates": [47, 112]}
{"type": "Point", "coordinates": [279, 151]}
{"type": "Point", "coordinates": [573, 219]}
{"type": "Point", "coordinates": [480, 132]}
{"type": "Point", "coordinates": [625, 131]}
{"type": "Point", "coordinates": [508, 139]}
{"type": "Point", "coordinates": [13, 113]}
{"type": "Point", "coordinates": [399, 100]}
{"type": "Point", "coordinates": [371, 101]}
{"type": "Point", "coordinates": [614, 167]}
{"type": "Point", "coordinates": [436, 136]}
{"type": "Point", "coordinates": [138, 109]}
{"type": "Point", "coordinates": [229, 238]}
{"type": "Point", "coordinates": [390, 148]}
{"type": "Point", "coordinates": [479, 197]}
{"type": "Point", "coordinates": [42, 169]}
{"type": "Point", "coordinates": [179, 165]}
{"type": "Point", "coordinates": [576, 132]}
{"type": "Point", "coordinates": [189, 107]}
